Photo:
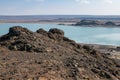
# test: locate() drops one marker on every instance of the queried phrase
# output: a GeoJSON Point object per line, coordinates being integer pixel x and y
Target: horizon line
{"type": "Point", "coordinates": [59, 15]}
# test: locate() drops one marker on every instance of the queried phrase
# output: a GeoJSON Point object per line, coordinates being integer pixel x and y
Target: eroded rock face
{"type": "Point", "coordinates": [42, 31]}
{"type": "Point", "coordinates": [56, 31]}
{"type": "Point", "coordinates": [56, 34]}
{"type": "Point", "coordinates": [21, 39]}
{"type": "Point", "coordinates": [51, 56]}
{"type": "Point", "coordinates": [17, 30]}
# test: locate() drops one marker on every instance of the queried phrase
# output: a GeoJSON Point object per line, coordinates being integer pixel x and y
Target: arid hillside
{"type": "Point", "coordinates": [49, 55]}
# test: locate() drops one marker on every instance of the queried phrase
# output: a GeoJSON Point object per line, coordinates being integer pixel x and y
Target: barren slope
{"type": "Point", "coordinates": [42, 55]}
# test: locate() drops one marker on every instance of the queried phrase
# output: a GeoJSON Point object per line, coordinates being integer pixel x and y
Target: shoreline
{"type": "Point", "coordinates": [43, 22]}
{"type": "Point", "coordinates": [66, 23]}
{"type": "Point", "coordinates": [110, 51]}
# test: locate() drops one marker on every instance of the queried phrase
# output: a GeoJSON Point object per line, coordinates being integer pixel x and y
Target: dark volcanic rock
{"type": "Point", "coordinates": [56, 34]}
{"type": "Point", "coordinates": [42, 31]}
{"type": "Point", "coordinates": [17, 30]}
{"type": "Point", "coordinates": [110, 23]}
{"type": "Point", "coordinates": [87, 22]}
{"type": "Point", "coordinates": [94, 23]}
{"type": "Point", "coordinates": [56, 31]}
{"type": "Point", "coordinates": [21, 39]}
{"type": "Point", "coordinates": [42, 55]}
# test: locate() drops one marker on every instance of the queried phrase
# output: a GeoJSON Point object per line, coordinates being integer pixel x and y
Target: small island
{"type": "Point", "coordinates": [96, 23]}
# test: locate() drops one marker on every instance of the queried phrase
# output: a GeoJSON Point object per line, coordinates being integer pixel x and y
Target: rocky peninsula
{"type": "Point", "coordinates": [96, 23]}
{"type": "Point", "coordinates": [49, 55]}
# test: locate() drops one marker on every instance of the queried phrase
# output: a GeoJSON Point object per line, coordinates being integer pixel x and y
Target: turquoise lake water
{"type": "Point", "coordinates": [90, 35]}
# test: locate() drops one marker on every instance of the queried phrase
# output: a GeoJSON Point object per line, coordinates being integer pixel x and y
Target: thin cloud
{"type": "Point", "coordinates": [35, 0]}
{"type": "Point", "coordinates": [83, 1]}
{"type": "Point", "coordinates": [108, 1]}
{"type": "Point", "coordinates": [77, 0]}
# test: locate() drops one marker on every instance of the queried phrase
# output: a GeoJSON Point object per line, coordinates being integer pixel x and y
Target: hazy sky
{"type": "Point", "coordinates": [49, 7]}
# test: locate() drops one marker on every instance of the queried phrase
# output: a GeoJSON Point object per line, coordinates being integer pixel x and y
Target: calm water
{"type": "Point", "coordinates": [92, 35]}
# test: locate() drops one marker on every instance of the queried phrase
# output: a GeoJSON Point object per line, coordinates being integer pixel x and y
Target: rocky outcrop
{"type": "Point", "coordinates": [87, 22]}
{"type": "Point", "coordinates": [94, 23]}
{"type": "Point", "coordinates": [42, 31]}
{"type": "Point", "coordinates": [56, 31]}
{"type": "Point", "coordinates": [109, 23]}
{"type": "Point", "coordinates": [49, 55]}
{"type": "Point", "coordinates": [22, 39]}
{"type": "Point", "coordinates": [56, 34]}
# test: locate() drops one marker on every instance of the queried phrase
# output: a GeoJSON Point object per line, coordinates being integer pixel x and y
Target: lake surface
{"type": "Point", "coordinates": [90, 35]}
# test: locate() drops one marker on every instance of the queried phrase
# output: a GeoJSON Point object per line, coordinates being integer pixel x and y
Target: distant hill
{"type": "Point", "coordinates": [59, 17]}
{"type": "Point", "coordinates": [96, 23]}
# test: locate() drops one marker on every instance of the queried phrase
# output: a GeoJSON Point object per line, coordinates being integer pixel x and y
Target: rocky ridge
{"type": "Point", "coordinates": [49, 55]}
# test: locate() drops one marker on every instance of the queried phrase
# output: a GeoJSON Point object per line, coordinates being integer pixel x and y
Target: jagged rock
{"type": "Point", "coordinates": [56, 34]}
{"type": "Point", "coordinates": [93, 52]}
{"type": "Point", "coordinates": [88, 48]}
{"type": "Point", "coordinates": [104, 74]}
{"type": "Point", "coordinates": [42, 31]}
{"type": "Point", "coordinates": [17, 30]}
{"type": "Point", "coordinates": [56, 31]}
{"type": "Point", "coordinates": [118, 48]}
{"type": "Point", "coordinates": [52, 36]}
{"type": "Point", "coordinates": [55, 37]}
{"type": "Point", "coordinates": [68, 40]}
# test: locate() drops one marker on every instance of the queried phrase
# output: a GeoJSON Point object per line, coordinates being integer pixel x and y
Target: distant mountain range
{"type": "Point", "coordinates": [60, 17]}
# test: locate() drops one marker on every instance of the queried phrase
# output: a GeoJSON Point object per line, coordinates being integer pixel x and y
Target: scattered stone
{"type": "Point", "coordinates": [42, 78]}
{"type": "Point", "coordinates": [88, 48]}
{"type": "Point", "coordinates": [43, 55]}
{"type": "Point", "coordinates": [118, 48]}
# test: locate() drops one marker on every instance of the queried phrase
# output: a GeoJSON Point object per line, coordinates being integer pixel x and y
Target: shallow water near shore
{"type": "Point", "coordinates": [89, 35]}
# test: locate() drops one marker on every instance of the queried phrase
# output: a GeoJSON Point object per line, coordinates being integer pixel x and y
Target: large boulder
{"type": "Point", "coordinates": [14, 32]}
{"type": "Point", "coordinates": [42, 31]}
{"type": "Point", "coordinates": [56, 31]}
{"type": "Point", "coordinates": [17, 30]}
{"type": "Point", "coordinates": [56, 34]}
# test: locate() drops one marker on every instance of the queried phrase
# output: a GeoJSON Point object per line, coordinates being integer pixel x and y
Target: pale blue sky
{"type": "Point", "coordinates": [59, 7]}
